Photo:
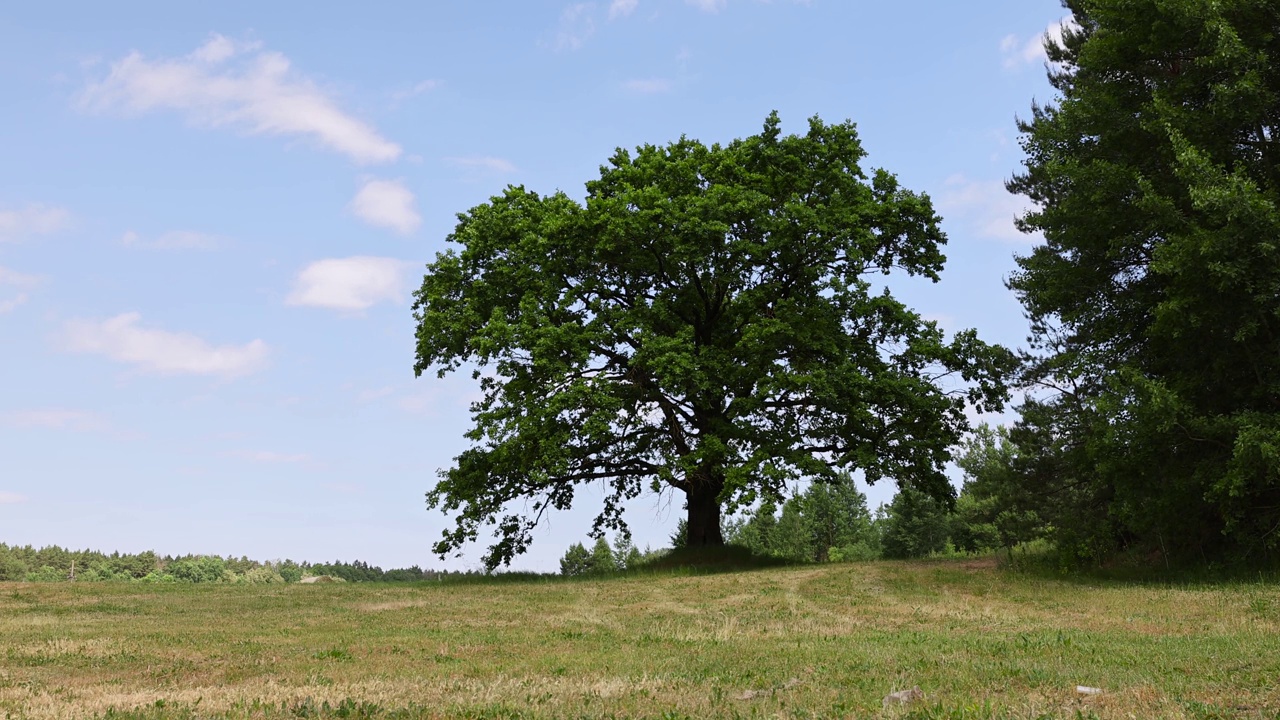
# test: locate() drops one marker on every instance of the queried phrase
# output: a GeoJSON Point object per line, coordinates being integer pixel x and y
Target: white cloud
{"type": "Point", "coordinates": [985, 207]}
{"type": "Point", "coordinates": [715, 6]}
{"type": "Point", "coordinates": [349, 284]}
{"type": "Point", "coordinates": [219, 49]}
{"type": "Point", "coordinates": [237, 84]}
{"type": "Point", "coordinates": [175, 240]}
{"type": "Point", "coordinates": [16, 279]}
{"type": "Point", "coordinates": [577, 23]}
{"type": "Point", "coordinates": [8, 305]}
{"type": "Point", "coordinates": [418, 89]}
{"type": "Point", "coordinates": [8, 498]}
{"type": "Point", "coordinates": [53, 419]}
{"type": "Point", "coordinates": [649, 86]}
{"type": "Point", "coordinates": [484, 164]}
{"type": "Point", "coordinates": [122, 339]}
{"type": "Point", "coordinates": [709, 5]}
{"type": "Point", "coordinates": [622, 8]}
{"type": "Point", "coordinates": [34, 219]}
{"type": "Point", "coordinates": [388, 204]}
{"type": "Point", "coordinates": [1018, 52]}
{"type": "Point", "coordinates": [21, 283]}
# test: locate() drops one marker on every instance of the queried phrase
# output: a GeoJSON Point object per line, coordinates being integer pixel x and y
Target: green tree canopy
{"type": "Point", "coordinates": [914, 524]}
{"type": "Point", "coordinates": [707, 322]}
{"type": "Point", "coordinates": [826, 518]}
{"type": "Point", "coordinates": [996, 508]}
{"type": "Point", "coordinates": [1155, 296]}
{"type": "Point", "coordinates": [836, 516]}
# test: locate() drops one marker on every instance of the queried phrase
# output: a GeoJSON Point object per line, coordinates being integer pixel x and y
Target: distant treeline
{"type": "Point", "coordinates": [56, 564]}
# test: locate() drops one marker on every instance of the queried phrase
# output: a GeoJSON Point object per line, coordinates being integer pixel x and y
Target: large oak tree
{"type": "Point", "coordinates": [709, 320]}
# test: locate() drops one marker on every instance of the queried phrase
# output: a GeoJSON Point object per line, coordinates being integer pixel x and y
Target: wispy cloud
{"type": "Point", "coordinates": [13, 278]}
{"type": "Point", "coordinates": [124, 340]}
{"type": "Point", "coordinates": [715, 6]}
{"type": "Point", "coordinates": [622, 8]}
{"type": "Point", "coordinates": [53, 419]}
{"type": "Point", "coordinates": [372, 394]}
{"type": "Point", "coordinates": [647, 86]}
{"type": "Point", "coordinates": [577, 24]}
{"type": "Point", "coordinates": [20, 284]}
{"type": "Point", "coordinates": [236, 84]}
{"type": "Point", "coordinates": [483, 165]}
{"type": "Point", "coordinates": [388, 204]}
{"type": "Point", "coordinates": [9, 498]}
{"type": "Point", "coordinates": [985, 207]}
{"type": "Point", "coordinates": [66, 420]}
{"type": "Point", "coordinates": [711, 6]}
{"type": "Point", "coordinates": [175, 240]}
{"type": "Point", "coordinates": [31, 220]}
{"type": "Point", "coordinates": [420, 401]}
{"type": "Point", "coordinates": [1025, 51]}
{"type": "Point", "coordinates": [349, 284]}
{"type": "Point", "coordinates": [418, 89]}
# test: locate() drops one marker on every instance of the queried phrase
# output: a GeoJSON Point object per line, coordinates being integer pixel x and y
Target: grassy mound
{"type": "Point", "coordinates": [724, 558]}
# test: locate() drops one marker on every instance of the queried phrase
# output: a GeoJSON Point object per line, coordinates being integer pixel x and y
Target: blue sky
{"type": "Point", "coordinates": [212, 218]}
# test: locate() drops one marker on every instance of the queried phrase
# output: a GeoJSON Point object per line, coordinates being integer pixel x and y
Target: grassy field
{"type": "Point", "coordinates": [807, 642]}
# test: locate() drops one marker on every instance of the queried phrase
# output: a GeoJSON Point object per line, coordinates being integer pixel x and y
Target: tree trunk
{"type": "Point", "coordinates": [704, 513]}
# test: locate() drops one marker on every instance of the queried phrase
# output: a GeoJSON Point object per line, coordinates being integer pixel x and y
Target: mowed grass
{"type": "Point", "coordinates": [807, 641]}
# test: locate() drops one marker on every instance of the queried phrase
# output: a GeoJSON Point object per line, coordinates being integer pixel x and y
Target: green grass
{"type": "Point", "coordinates": [804, 641]}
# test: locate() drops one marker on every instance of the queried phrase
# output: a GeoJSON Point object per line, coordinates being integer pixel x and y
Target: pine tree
{"type": "Point", "coordinates": [1153, 298]}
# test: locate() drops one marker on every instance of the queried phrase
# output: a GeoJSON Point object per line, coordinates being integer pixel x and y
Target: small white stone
{"type": "Point", "coordinates": [1086, 690]}
{"type": "Point", "coordinates": [902, 697]}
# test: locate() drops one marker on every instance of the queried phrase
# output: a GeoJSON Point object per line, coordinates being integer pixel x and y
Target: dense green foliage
{"type": "Point", "coordinates": [831, 522]}
{"type": "Point", "coordinates": [914, 525]}
{"type": "Point", "coordinates": [825, 522]}
{"type": "Point", "coordinates": [601, 558]}
{"type": "Point", "coordinates": [1155, 296]}
{"type": "Point", "coordinates": [706, 321]}
{"type": "Point", "coordinates": [56, 564]}
{"type": "Point", "coordinates": [996, 508]}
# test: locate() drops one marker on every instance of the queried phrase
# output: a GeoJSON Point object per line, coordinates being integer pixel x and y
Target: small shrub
{"type": "Point", "coordinates": [260, 576]}
{"type": "Point", "coordinates": [858, 552]}
{"type": "Point", "coordinates": [290, 571]}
